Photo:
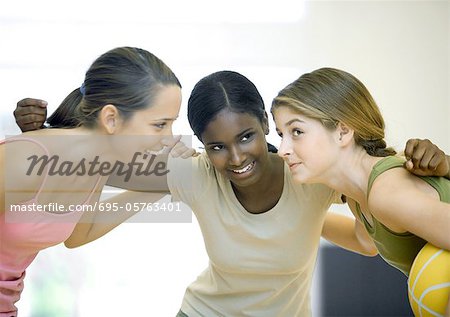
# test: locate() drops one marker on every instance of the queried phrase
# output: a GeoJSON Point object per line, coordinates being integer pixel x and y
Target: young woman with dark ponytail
{"type": "Point", "coordinates": [333, 134]}
{"type": "Point", "coordinates": [127, 104]}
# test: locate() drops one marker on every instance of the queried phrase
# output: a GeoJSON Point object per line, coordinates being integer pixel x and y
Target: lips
{"type": "Point", "coordinates": [244, 169]}
{"type": "Point", "coordinates": [293, 165]}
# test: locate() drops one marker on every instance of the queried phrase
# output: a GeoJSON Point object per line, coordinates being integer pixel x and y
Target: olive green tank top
{"type": "Point", "coordinates": [398, 249]}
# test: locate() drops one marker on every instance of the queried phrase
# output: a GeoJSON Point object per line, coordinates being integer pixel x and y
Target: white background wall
{"type": "Point", "coordinates": [399, 49]}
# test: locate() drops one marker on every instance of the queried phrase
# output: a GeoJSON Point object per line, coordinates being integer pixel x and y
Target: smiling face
{"type": "Point", "coordinates": [157, 118]}
{"type": "Point", "coordinates": [237, 147]}
{"type": "Point", "coordinates": [148, 126]}
{"type": "Point", "coordinates": [307, 146]}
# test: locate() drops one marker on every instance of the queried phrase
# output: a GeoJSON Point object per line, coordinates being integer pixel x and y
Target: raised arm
{"type": "Point", "coordinates": [96, 224]}
{"type": "Point", "coordinates": [174, 147]}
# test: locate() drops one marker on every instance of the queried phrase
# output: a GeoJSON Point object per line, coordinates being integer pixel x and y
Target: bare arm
{"type": "Point", "coordinates": [404, 202]}
{"type": "Point", "coordinates": [348, 233]}
{"type": "Point", "coordinates": [94, 225]}
{"type": "Point", "coordinates": [143, 182]}
{"type": "Point", "coordinates": [155, 183]}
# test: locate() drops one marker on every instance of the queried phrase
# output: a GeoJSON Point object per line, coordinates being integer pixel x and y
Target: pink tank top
{"type": "Point", "coordinates": [20, 241]}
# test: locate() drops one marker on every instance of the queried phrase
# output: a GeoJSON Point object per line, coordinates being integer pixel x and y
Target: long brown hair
{"type": "Point", "coordinates": [126, 77]}
{"type": "Point", "coordinates": [331, 96]}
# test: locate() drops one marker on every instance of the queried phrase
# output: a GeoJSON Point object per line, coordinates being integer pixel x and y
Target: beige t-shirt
{"type": "Point", "coordinates": [260, 264]}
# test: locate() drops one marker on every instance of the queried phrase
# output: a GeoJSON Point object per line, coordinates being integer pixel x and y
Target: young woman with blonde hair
{"type": "Point", "coordinates": [333, 133]}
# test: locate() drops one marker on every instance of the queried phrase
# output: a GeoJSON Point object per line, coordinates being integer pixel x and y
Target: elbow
{"type": "Point", "coordinates": [71, 244]}
{"type": "Point", "coordinates": [371, 253]}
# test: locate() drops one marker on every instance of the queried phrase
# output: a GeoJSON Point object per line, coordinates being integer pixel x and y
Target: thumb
{"type": "Point", "coordinates": [409, 165]}
{"type": "Point", "coordinates": [169, 142]}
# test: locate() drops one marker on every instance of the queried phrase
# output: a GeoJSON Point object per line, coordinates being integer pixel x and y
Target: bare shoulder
{"type": "Point", "coordinates": [16, 161]}
{"type": "Point", "coordinates": [398, 181]}
{"type": "Point", "coordinates": [396, 193]}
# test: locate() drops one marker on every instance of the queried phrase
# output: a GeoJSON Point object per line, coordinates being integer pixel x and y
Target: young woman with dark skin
{"type": "Point", "coordinates": [260, 231]}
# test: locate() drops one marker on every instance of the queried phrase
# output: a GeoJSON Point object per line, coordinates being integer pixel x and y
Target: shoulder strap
{"type": "Point", "coordinates": [382, 166]}
{"type": "Point", "coordinates": [379, 168]}
{"type": "Point", "coordinates": [88, 199]}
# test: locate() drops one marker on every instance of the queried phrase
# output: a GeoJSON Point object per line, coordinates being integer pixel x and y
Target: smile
{"type": "Point", "coordinates": [245, 169]}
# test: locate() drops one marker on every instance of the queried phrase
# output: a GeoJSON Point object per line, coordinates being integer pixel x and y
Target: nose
{"type": "Point", "coordinates": [237, 157]}
{"type": "Point", "coordinates": [169, 130]}
{"type": "Point", "coordinates": [285, 148]}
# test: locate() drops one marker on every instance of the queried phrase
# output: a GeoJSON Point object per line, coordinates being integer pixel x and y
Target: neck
{"type": "Point", "coordinates": [264, 194]}
{"type": "Point", "coordinates": [268, 182]}
{"type": "Point", "coordinates": [350, 174]}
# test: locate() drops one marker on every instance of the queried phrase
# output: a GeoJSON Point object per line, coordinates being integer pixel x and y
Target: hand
{"type": "Point", "coordinates": [176, 148]}
{"type": "Point", "coordinates": [30, 114]}
{"type": "Point", "coordinates": [425, 159]}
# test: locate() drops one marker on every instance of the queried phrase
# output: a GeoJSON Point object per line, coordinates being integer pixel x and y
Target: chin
{"type": "Point", "coordinates": [302, 178]}
{"type": "Point", "coordinates": [244, 182]}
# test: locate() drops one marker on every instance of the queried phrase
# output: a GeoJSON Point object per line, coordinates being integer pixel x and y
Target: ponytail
{"type": "Point", "coordinates": [376, 147]}
{"type": "Point", "coordinates": [65, 115]}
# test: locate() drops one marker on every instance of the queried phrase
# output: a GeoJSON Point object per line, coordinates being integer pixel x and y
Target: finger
{"type": "Point", "coordinates": [409, 148]}
{"type": "Point", "coordinates": [417, 155]}
{"type": "Point", "coordinates": [409, 165]}
{"type": "Point", "coordinates": [169, 142]}
{"type": "Point", "coordinates": [29, 110]}
{"type": "Point", "coordinates": [32, 102]}
{"type": "Point", "coordinates": [188, 153]}
{"type": "Point", "coordinates": [179, 149]}
{"type": "Point", "coordinates": [425, 160]}
{"type": "Point", "coordinates": [30, 126]}
{"type": "Point", "coordinates": [31, 118]}
{"type": "Point", "coordinates": [439, 165]}
{"type": "Point", "coordinates": [174, 152]}
{"type": "Point", "coordinates": [436, 161]}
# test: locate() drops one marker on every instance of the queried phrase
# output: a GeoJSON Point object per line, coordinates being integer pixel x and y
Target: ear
{"type": "Point", "coordinates": [265, 123]}
{"type": "Point", "coordinates": [344, 134]}
{"type": "Point", "coordinates": [109, 118]}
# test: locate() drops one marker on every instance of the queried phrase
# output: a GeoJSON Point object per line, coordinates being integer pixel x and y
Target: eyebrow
{"type": "Point", "coordinates": [166, 119]}
{"type": "Point", "coordinates": [240, 134]}
{"type": "Point", "coordinates": [292, 121]}
{"type": "Point", "coordinates": [244, 132]}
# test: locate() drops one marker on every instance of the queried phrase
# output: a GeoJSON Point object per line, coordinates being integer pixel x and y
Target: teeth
{"type": "Point", "coordinates": [245, 169]}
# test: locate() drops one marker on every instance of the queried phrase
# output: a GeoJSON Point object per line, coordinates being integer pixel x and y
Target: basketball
{"type": "Point", "coordinates": [429, 282]}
